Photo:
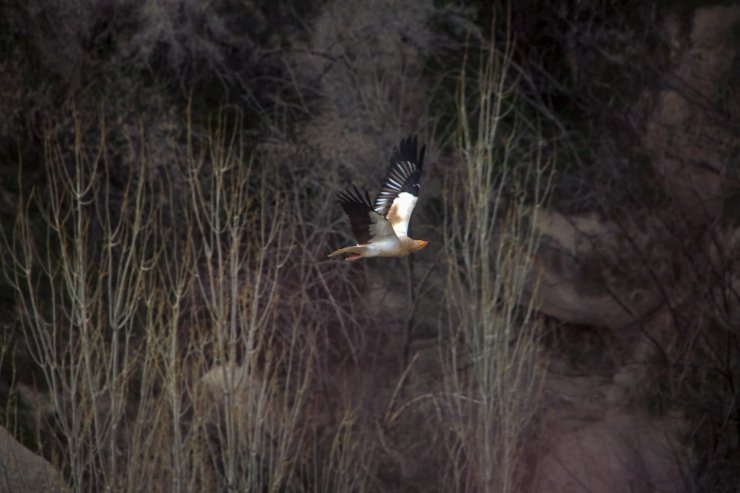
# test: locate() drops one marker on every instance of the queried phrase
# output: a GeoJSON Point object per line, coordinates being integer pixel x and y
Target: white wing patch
{"type": "Point", "coordinates": [400, 211]}
{"type": "Point", "coordinates": [393, 184]}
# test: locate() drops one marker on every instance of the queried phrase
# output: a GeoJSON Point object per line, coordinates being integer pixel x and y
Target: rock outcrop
{"type": "Point", "coordinates": [22, 471]}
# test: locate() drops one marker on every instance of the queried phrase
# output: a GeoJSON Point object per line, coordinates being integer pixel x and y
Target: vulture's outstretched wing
{"type": "Point", "coordinates": [368, 225]}
{"type": "Point", "coordinates": [400, 188]}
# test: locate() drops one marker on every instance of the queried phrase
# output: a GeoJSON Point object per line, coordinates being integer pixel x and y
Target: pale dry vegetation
{"type": "Point", "coordinates": [494, 366]}
{"type": "Point", "coordinates": [189, 335]}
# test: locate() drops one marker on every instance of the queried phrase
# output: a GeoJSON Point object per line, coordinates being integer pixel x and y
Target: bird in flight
{"type": "Point", "coordinates": [381, 227]}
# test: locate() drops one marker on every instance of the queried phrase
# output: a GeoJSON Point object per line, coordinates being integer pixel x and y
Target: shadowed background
{"type": "Point", "coordinates": [170, 322]}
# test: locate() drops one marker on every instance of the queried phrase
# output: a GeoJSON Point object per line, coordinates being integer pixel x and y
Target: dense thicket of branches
{"type": "Point", "coordinates": [168, 169]}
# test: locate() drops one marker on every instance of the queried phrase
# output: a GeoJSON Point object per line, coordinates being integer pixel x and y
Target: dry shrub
{"type": "Point", "coordinates": [494, 366]}
{"type": "Point", "coordinates": [179, 333]}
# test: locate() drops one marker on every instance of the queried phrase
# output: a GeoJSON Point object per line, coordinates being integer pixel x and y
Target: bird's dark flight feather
{"type": "Point", "coordinates": [403, 174]}
{"type": "Point", "coordinates": [359, 209]}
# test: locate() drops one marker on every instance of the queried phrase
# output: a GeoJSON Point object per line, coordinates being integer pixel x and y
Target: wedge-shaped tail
{"type": "Point", "coordinates": [357, 250]}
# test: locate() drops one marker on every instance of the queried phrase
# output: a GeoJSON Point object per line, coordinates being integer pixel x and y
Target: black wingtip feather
{"type": "Point", "coordinates": [403, 175]}
{"type": "Point", "coordinates": [354, 197]}
{"type": "Point", "coordinates": [407, 151]}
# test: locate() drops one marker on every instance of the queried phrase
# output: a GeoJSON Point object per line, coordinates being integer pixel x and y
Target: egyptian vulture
{"type": "Point", "coordinates": [381, 227]}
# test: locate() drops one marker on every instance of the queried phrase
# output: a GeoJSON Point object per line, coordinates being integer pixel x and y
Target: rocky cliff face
{"type": "Point", "coordinates": [25, 472]}
{"type": "Point", "coordinates": [657, 279]}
